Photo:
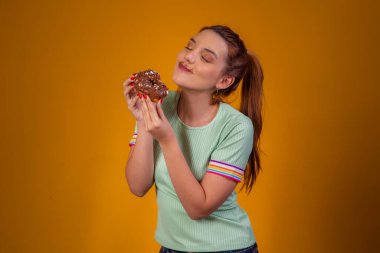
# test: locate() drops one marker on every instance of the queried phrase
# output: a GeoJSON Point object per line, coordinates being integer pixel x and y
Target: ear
{"type": "Point", "coordinates": [225, 82]}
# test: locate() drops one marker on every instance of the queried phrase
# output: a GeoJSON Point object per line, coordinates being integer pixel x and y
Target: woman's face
{"type": "Point", "coordinates": [201, 63]}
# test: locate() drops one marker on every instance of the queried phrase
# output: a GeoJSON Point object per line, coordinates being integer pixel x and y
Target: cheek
{"type": "Point", "coordinates": [209, 71]}
{"type": "Point", "coordinates": [180, 55]}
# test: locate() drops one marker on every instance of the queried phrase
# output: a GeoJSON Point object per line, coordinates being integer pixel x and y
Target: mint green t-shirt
{"type": "Point", "coordinates": [221, 147]}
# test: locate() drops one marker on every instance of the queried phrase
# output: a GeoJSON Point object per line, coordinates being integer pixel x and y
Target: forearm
{"type": "Point", "coordinates": [189, 190]}
{"type": "Point", "coordinates": [139, 169]}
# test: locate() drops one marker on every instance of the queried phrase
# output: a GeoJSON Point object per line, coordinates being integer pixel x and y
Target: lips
{"type": "Point", "coordinates": [182, 67]}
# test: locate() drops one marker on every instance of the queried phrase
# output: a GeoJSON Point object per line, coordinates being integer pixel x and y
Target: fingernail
{"type": "Point", "coordinates": [145, 97]}
{"type": "Point", "coordinates": [132, 78]}
{"type": "Point", "coordinates": [131, 84]}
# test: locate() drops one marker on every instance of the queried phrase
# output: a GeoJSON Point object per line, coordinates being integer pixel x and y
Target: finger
{"type": "Point", "coordinates": [160, 112]}
{"type": "Point", "coordinates": [132, 102]}
{"type": "Point", "coordinates": [144, 114]}
{"type": "Point", "coordinates": [129, 81]}
{"type": "Point", "coordinates": [145, 110]}
{"type": "Point", "coordinates": [127, 91]}
{"type": "Point", "coordinates": [152, 110]}
{"type": "Point", "coordinates": [126, 82]}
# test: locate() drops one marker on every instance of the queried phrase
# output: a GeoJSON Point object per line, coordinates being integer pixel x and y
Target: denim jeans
{"type": "Point", "coordinates": [252, 249]}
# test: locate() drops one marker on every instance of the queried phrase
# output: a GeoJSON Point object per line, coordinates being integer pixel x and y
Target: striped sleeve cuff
{"type": "Point", "coordinates": [226, 170]}
{"type": "Point", "coordinates": [132, 142]}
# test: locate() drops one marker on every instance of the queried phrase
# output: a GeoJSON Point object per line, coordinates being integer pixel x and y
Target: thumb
{"type": "Point", "coordinates": [160, 112]}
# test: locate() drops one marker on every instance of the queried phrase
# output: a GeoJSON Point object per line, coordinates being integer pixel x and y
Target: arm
{"type": "Point", "coordinates": [199, 199]}
{"type": "Point", "coordinates": [139, 169]}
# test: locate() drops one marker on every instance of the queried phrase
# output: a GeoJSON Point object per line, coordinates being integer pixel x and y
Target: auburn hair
{"type": "Point", "coordinates": [247, 70]}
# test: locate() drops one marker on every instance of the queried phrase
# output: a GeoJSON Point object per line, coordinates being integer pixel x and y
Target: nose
{"type": "Point", "coordinates": [190, 56]}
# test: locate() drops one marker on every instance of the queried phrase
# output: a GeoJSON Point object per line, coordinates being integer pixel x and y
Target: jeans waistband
{"type": "Point", "coordinates": [244, 250]}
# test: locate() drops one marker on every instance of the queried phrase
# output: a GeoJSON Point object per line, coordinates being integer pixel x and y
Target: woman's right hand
{"type": "Point", "coordinates": [133, 101]}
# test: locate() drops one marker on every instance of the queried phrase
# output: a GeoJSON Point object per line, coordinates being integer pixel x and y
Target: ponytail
{"type": "Point", "coordinates": [246, 68]}
{"type": "Point", "coordinates": [251, 105]}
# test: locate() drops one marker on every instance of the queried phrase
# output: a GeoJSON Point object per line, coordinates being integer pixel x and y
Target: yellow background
{"type": "Point", "coordinates": [65, 126]}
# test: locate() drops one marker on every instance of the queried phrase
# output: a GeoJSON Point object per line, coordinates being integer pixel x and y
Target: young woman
{"type": "Point", "coordinates": [197, 148]}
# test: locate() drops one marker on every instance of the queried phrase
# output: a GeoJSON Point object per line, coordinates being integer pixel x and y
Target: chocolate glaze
{"type": "Point", "coordinates": [149, 83]}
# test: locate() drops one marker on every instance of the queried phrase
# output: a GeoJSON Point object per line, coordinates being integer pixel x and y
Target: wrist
{"type": "Point", "coordinates": [167, 141]}
{"type": "Point", "coordinates": [140, 125]}
{"type": "Point", "coordinates": [141, 128]}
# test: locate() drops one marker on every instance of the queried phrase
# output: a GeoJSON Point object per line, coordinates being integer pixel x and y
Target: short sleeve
{"type": "Point", "coordinates": [132, 142]}
{"type": "Point", "coordinates": [231, 155]}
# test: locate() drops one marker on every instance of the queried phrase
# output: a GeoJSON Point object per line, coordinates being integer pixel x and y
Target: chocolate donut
{"type": "Point", "coordinates": [149, 83]}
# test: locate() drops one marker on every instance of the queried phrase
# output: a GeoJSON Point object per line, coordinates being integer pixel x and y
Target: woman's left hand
{"type": "Point", "coordinates": [155, 120]}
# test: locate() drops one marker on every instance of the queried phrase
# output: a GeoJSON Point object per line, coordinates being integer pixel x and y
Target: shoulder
{"type": "Point", "coordinates": [235, 140]}
{"type": "Point", "coordinates": [235, 121]}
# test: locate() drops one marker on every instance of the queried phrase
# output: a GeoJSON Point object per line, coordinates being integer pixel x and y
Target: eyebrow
{"type": "Point", "coordinates": [208, 50]}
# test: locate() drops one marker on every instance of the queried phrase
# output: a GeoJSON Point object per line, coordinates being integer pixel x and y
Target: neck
{"type": "Point", "coordinates": [194, 108]}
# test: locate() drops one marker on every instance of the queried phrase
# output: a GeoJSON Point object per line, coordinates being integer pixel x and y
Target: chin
{"type": "Point", "coordinates": [178, 78]}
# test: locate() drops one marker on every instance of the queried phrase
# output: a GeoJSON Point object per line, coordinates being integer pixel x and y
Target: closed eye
{"type": "Point", "coordinates": [205, 59]}
{"type": "Point", "coordinates": [190, 44]}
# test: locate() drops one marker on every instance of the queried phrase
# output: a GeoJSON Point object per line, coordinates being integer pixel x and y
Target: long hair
{"type": "Point", "coordinates": [246, 69]}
